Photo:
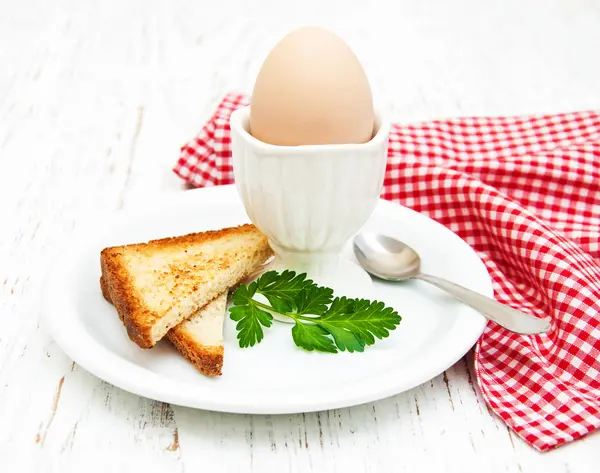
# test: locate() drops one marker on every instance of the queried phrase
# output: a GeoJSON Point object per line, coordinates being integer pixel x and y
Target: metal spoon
{"type": "Point", "coordinates": [392, 260]}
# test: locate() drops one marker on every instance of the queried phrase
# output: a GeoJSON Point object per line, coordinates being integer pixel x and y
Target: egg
{"type": "Point", "coordinates": [311, 90]}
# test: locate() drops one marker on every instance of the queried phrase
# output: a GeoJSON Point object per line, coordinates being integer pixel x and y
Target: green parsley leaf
{"type": "Point", "coordinates": [313, 300]}
{"type": "Point", "coordinates": [282, 290]}
{"type": "Point", "coordinates": [312, 337]}
{"type": "Point", "coordinates": [249, 319]}
{"type": "Point", "coordinates": [365, 319]}
{"type": "Point", "coordinates": [344, 339]}
{"type": "Point", "coordinates": [243, 294]}
{"type": "Point", "coordinates": [248, 316]}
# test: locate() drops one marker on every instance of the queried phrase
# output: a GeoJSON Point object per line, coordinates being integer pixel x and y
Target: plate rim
{"type": "Point", "coordinates": [106, 365]}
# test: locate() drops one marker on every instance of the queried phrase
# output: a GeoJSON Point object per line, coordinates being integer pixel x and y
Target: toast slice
{"type": "Point", "coordinates": [200, 338]}
{"type": "Point", "coordinates": [155, 286]}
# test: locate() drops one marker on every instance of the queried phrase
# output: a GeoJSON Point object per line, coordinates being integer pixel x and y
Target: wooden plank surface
{"type": "Point", "coordinates": [95, 100]}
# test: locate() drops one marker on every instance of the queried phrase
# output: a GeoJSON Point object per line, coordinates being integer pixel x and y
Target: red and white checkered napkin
{"type": "Point", "coordinates": [524, 192]}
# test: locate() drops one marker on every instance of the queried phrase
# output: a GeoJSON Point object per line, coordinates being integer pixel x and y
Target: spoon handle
{"type": "Point", "coordinates": [503, 315]}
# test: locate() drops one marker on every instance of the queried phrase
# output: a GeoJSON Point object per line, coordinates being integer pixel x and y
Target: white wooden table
{"type": "Point", "coordinates": [95, 100]}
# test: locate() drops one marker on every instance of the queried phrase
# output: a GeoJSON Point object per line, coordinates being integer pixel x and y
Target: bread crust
{"type": "Point", "coordinates": [117, 283]}
{"type": "Point", "coordinates": [207, 359]}
{"type": "Point", "coordinates": [196, 238]}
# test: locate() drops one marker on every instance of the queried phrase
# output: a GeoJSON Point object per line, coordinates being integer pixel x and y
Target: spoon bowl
{"type": "Point", "coordinates": [388, 258]}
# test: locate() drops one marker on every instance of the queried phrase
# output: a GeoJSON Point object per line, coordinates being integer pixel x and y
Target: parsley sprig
{"type": "Point", "coordinates": [321, 322]}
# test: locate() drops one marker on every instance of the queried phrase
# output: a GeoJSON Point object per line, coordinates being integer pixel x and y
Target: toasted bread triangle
{"type": "Point", "coordinates": [155, 286]}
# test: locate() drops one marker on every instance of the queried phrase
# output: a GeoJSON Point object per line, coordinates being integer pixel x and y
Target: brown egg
{"type": "Point", "coordinates": [312, 90]}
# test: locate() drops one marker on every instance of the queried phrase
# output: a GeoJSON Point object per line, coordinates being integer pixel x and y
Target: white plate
{"type": "Point", "coordinates": [275, 376]}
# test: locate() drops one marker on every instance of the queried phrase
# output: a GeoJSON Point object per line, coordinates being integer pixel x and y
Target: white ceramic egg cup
{"type": "Point", "coordinates": [309, 201]}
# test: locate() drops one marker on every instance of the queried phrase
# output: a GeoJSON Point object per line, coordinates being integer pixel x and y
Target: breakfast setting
{"type": "Point", "coordinates": [328, 270]}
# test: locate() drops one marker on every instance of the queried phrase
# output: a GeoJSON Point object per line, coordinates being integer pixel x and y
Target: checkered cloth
{"type": "Point", "coordinates": [524, 192]}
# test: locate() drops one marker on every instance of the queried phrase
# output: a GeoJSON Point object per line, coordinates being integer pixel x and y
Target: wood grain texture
{"type": "Point", "coordinates": [95, 100]}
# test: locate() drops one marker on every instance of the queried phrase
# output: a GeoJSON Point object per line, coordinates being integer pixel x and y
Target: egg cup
{"type": "Point", "coordinates": [309, 201]}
